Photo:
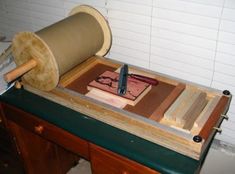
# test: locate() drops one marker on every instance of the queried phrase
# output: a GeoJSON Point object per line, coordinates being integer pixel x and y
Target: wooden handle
{"type": "Point", "coordinates": [39, 129]}
{"type": "Point", "coordinates": [20, 70]}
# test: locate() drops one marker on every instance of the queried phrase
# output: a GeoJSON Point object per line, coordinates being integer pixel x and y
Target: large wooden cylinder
{"type": "Point", "coordinates": [56, 49]}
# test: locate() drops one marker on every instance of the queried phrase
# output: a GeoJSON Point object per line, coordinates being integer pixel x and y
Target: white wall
{"type": "Point", "coordinates": [190, 39]}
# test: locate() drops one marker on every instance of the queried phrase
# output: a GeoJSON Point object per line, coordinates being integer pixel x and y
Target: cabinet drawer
{"type": "Point", "coordinates": [47, 130]}
{"type": "Point", "coordinates": [106, 162]}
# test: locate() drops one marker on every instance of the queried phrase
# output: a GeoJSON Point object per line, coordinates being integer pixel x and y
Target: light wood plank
{"type": "Point", "coordinates": [177, 107]}
{"type": "Point", "coordinates": [204, 115]}
{"type": "Point", "coordinates": [158, 114]}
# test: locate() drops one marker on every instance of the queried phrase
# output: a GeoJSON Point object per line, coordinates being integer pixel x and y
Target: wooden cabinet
{"type": "Point", "coordinates": [107, 162]}
{"type": "Point", "coordinates": [48, 149]}
{"type": "Point", "coordinates": [47, 131]}
{"type": "Point", "coordinates": [9, 160]}
{"type": "Point", "coordinates": [39, 153]}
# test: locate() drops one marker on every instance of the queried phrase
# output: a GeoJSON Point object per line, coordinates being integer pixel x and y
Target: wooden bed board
{"type": "Point", "coordinates": [91, 69]}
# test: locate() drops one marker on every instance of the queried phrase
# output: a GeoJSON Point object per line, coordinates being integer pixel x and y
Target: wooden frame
{"type": "Point", "coordinates": [148, 127]}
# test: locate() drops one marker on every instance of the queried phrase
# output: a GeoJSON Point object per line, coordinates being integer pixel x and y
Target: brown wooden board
{"type": "Point", "coordinates": [145, 107]}
{"type": "Point", "coordinates": [204, 115]}
{"type": "Point", "coordinates": [108, 82]}
{"type": "Point", "coordinates": [80, 84]}
{"type": "Point", "coordinates": [158, 114]}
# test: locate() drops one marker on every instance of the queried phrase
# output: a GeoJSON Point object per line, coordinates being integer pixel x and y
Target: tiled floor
{"type": "Point", "coordinates": [220, 160]}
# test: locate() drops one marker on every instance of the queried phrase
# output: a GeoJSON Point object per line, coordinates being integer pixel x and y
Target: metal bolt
{"type": "Point", "coordinates": [197, 138]}
{"type": "Point", "coordinates": [226, 92]}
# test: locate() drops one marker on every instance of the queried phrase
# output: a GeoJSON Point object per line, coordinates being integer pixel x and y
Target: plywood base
{"type": "Point", "coordinates": [106, 98]}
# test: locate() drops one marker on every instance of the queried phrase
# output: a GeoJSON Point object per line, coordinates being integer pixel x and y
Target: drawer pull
{"type": "Point", "coordinates": [125, 172]}
{"type": "Point", "coordinates": [39, 129]}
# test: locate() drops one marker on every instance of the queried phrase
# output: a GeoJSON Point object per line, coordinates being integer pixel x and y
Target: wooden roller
{"type": "Point", "coordinates": [42, 57]}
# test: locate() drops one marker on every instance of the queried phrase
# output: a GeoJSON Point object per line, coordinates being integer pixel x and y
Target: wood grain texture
{"type": "Point", "coordinates": [196, 105]}
{"type": "Point", "coordinates": [35, 155]}
{"type": "Point", "coordinates": [177, 141]}
{"type": "Point", "coordinates": [50, 132]}
{"type": "Point", "coordinates": [107, 162]}
{"type": "Point", "coordinates": [214, 117]}
{"type": "Point", "coordinates": [204, 115]}
{"type": "Point", "coordinates": [10, 161]}
{"type": "Point", "coordinates": [178, 106]}
{"type": "Point", "coordinates": [186, 108]}
{"type": "Point", "coordinates": [79, 77]}
{"type": "Point", "coordinates": [109, 99]}
{"type": "Point", "coordinates": [158, 114]}
{"type": "Point", "coordinates": [20, 70]}
{"type": "Point", "coordinates": [107, 82]}
{"type": "Point", "coordinates": [167, 136]}
{"type": "Point", "coordinates": [74, 74]}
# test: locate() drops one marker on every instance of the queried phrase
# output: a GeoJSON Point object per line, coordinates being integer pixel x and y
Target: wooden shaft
{"type": "Point", "coordinates": [20, 70]}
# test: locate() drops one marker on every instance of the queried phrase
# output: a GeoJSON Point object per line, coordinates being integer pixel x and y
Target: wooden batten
{"type": "Point", "coordinates": [158, 114]}
{"type": "Point", "coordinates": [220, 108]}
{"type": "Point", "coordinates": [204, 115]}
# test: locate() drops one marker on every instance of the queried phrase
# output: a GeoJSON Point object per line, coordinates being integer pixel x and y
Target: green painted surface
{"type": "Point", "coordinates": [116, 140]}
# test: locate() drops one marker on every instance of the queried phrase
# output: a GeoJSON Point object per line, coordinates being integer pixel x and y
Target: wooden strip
{"type": "Point", "coordinates": [119, 98]}
{"type": "Point", "coordinates": [158, 114]}
{"type": "Point", "coordinates": [106, 98]}
{"type": "Point", "coordinates": [178, 106]}
{"type": "Point", "coordinates": [204, 115]}
{"type": "Point", "coordinates": [194, 111]}
{"type": "Point", "coordinates": [191, 107]}
{"type": "Point", "coordinates": [214, 117]}
{"type": "Point", "coordinates": [70, 76]}
{"type": "Point", "coordinates": [82, 68]}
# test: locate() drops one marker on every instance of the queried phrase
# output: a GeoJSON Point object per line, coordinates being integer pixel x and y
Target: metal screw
{"type": "Point", "coordinates": [226, 92]}
{"type": "Point", "coordinates": [197, 138]}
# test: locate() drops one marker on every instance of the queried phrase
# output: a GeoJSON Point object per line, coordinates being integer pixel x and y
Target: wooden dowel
{"type": "Point", "coordinates": [20, 70]}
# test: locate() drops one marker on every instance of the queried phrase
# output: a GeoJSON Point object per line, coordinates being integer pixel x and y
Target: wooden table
{"type": "Point", "coordinates": [49, 137]}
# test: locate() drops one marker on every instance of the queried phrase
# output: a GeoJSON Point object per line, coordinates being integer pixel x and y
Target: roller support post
{"type": "Point", "coordinates": [20, 70]}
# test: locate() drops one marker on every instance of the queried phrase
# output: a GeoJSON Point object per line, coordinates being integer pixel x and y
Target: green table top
{"type": "Point", "coordinates": [97, 132]}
